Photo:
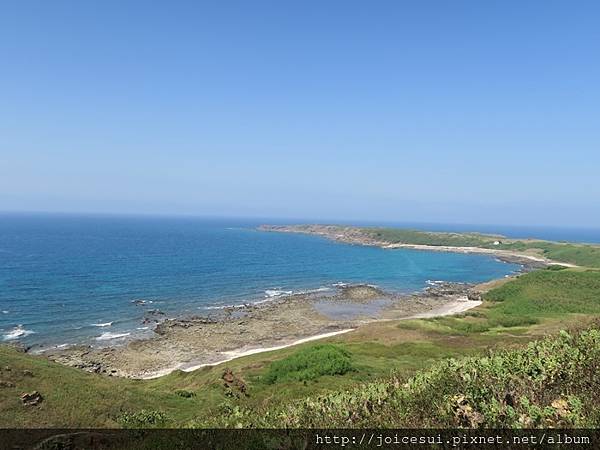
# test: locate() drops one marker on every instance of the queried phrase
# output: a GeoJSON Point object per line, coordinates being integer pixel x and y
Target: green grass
{"type": "Point", "coordinates": [73, 398]}
{"type": "Point", "coordinates": [405, 236]}
{"type": "Point", "coordinates": [585, 255]}
{"type": "Point", "coordinates": [547, 293]}
{"type": "Point", "coordinates": [530, 299]}
{"type": "Point", "coordinates": [310, 363]}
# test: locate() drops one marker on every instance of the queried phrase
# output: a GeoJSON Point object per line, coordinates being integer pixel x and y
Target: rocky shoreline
{"type": "Point", "coordinates": [191, 342]}
{"type": "Point", "coordinates": [187, 343]}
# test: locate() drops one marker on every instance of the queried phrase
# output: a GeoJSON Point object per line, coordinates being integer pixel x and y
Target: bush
{"type": "Point", "coordinates": [512, 321]}
{"type": "Point", "coordinates": [310, 363]}
{"type": "Point", "coordinates": [142, 419]}
{"type": "Point", "coordinates": [185, 393]}
{"type": "Point", "coordinates": [556, 267]}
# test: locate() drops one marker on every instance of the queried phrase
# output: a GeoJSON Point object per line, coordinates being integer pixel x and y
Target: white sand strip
{"type": "Point", "coordinates": [489, 251]}
{"type": "Point", "coordinates": [234, 354]}
{"type": "Point", "coordinates": [456, 307]}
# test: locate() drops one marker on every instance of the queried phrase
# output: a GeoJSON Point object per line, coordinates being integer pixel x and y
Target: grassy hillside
{"type": "Point", "coordinates": [414, 237]}
{"type": "Point", "coordinates": [549, 383]}
{"type": "Point", "coordinates": [289, 381]}
{"type": "Point", "coordinates": [586, 255]}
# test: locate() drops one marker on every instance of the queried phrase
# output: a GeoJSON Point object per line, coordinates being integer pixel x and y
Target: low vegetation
{"type": "Point", "coordinates": [549, 383]}
{"type": "Point", "coordinates": [414, 237]}
{"type": "Point", "coordinates": [586, 255]}
{"type": "Point", "coordinates": [143, 419]}
{"type": "Point", "coordinates": [310, 363]}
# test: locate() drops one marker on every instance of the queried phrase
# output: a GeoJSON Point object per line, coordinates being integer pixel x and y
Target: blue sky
{"type": "Point", "coordinates": [433, 111]}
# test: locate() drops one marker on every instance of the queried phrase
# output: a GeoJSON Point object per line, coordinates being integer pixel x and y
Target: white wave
{"type": "Point", "coordinates": [16, 333]}
{"type": "Point", "coordinates": [434, 282]}
{"type": "Point", "coordinates": [312, 291]}
{"type": "Point", "coordinates": [108, 336]}
{"type": "Point", "coordinates": [242, 305]}
{"type": "Point", "coordinates": [106, 324]}
{"type": "Point", "coordinates": [213, 307]}
{"type": "Point", "coordinates": [142, 328]}
{"type": "Point", "coordinates": [270, 294]}
{"type": "Point", "coordinates": [141, 302]}
{"type": "Point", "coordinates": [276, 293]}
{"type": "Point", "coordinates": [340, 284]}
{"type": "Point", "coordinates": [260, 302]}
{"type": "Point", "coordinates": [4, 312]}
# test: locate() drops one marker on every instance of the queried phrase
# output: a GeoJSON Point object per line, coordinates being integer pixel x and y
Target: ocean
{"type": "Point", "coordinates": [91, 279]}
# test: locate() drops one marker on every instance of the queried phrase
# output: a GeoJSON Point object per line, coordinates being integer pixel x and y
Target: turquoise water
{"type": "Point", "coordinates": [61, 277]}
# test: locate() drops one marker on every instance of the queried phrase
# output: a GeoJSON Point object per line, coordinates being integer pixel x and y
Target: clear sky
{"type": "Point", "coordinates": [438, 111]}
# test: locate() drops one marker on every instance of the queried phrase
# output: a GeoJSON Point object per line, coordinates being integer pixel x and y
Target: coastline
{"type": "Point", "coordinates": [354, 236]}
{"type": "Point", "coordinates": [191, 343]}
{"type": "Point", "coordinates": [452, 308]}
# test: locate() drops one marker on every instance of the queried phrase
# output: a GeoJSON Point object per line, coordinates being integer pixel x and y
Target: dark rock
{"type": "Point", "coordinates": [473, 295]}
{"type": "Point", "coordinates": [32, 399]}
{"type": "Point", "coordinates": [234, 383]}
{"type": "Point", "coordinates": [27, 373]}
{"type": "Point", "coordinates": [6, 384]}
{"type": "Point", "coordinates": [228, 376]}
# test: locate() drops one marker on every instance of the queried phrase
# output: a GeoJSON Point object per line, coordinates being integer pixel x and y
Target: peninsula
{"type": "Point", "coordinates": [532, 252]}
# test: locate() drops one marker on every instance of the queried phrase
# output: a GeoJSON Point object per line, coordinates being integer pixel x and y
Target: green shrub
{"type": "Point", "coordinates": [310, 363]}
{"type": "Point", "coordinates": [512, 321]}
{"type": "Point", "coordinates": [142, 419]}
{"type": "Point", "coordinates": [556, 267]}
{"type": "Point", "coordinates": [185, 393]}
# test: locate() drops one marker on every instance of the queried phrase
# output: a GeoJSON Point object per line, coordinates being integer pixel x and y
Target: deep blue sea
{"type": "Point", "coordinates": [70, 279]}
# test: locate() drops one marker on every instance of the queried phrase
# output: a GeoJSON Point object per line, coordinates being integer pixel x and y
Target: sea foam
{"type": "Point", "coordinates": [108, 336]}
{"type": "Point", "coordinates": [16, 333]}
{"type": "Point", "coordinates": [277, 293]}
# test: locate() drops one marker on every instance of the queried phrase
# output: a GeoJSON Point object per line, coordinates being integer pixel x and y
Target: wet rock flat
{"type": "Point", "coordinates": [193, 341]}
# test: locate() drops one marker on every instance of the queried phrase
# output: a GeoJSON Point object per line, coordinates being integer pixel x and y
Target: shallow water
{"type": "Point", "coordinates": [69, 279]}
{"type": "Point", "coordinates": [350, 310]}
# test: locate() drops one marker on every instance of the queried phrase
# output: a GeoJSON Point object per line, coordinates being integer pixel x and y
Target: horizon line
{"type": "Point", "coordinates": [288, 220]}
